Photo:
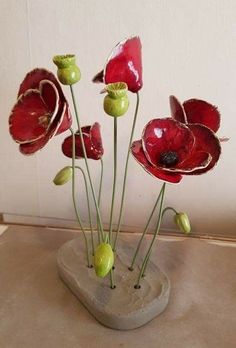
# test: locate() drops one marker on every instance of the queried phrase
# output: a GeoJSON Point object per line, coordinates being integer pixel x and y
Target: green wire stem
{"type": "Point", "coordinates": [86, 163]}
{"type": "Point", "coordinates": [126, 171]}
{"type": "Point", "coordinates": [145, 230]}
{"type": "Point", "coordinates": [74, 199]}
{"type": "Point", "coordinates": [89, 208]}
{"type": "Point", "coordinates": [147, 256]}
{"type": "Point", "coordinates": [163, 212]}
{"type": "Point", "coordinates": [99, 197]}
{"type": "Point", "coordinates": [114, 180]}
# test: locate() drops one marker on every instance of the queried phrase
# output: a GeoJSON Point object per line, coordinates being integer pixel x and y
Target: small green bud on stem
{"type": "Point", "coordinates": [182, 221]}
{"type": "Point", "coordinates": [103, 259]}
{"type": "Point", "coordinates": [63, 176]}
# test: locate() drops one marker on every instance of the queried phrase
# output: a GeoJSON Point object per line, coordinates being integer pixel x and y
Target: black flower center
{"type": "Point", "coordinates": [169, 158]}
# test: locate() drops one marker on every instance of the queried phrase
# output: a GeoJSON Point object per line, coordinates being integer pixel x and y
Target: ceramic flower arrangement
{"type": "Point", "coordinates": [169, 148]}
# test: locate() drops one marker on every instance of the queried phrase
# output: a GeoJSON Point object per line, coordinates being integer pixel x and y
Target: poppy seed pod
{"type": "Point", "coordinates": [103, 259]}
{"type": "Point", "coordinates": [116, 102]}
{"type": "Point", "coordinates": [68, 72]}
{"type": "Point", "coordinates": [63, 176]}
{"type": "Point", "coordinates": [182, 221]}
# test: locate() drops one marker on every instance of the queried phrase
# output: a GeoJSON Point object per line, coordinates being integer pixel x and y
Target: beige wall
{"type": "Point", "coordinates": [188, 50]}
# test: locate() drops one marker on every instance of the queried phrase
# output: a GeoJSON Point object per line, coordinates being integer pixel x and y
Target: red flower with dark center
{"type": "Point", "coordinates": [169, 149]}
{"type": "Point", "coordinates": [92, 141]}
{"type": "Point", "coordinates": [124, 65]}
{"type": "Point", "coordinates": [40, 112]}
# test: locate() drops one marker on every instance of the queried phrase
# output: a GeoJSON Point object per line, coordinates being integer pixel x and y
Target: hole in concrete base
{"type": "Point", "coordinates": [137, 286]}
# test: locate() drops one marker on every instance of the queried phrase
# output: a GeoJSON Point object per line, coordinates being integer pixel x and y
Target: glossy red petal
{"type": "Point", "coordinates": [29, 118]}
{"type": "Point", "coordinates": [85, 129]}
{"type": "Point", "coordinates": [125, 65]}
{"type": "Point", "coordinates": [67, 147]}
{"type": "Point", "coordinates": [32, 147]}
{"type": "Point", "coordinates": [33, 79]}
{"type": "Point", "coordinates": [92, 151]}
{"type": "Point", "coordinates": [96, 140]}
{"type": "Point", "coordinates": [163, 135]}
{"type": "Point", "coordinates": [66, 121]}
{"type": "Point", "coordinates": [33, 113]}
{"type": "Point", "coordinates": [177, 111]}
{"type": "Point", "coordinates": [206, 141]}
{"type": "Point", "coordinates": [139, 155]}
{"type": "Point", "coordinates": [197, 160]}
{"type": "Point", "coordinates": [201, 112]}
{"type": "Point", "coordinates": [49, 94]}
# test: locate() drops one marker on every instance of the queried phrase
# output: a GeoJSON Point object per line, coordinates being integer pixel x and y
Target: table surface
{"type": "Point", "coordinates": [38, 310]}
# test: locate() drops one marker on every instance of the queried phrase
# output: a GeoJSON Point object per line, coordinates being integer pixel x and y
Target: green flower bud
{"type": "Point", "coordinates": [182, 221]}
{"type": "Point", "coordinates": [116, 102]}
{"type": "Point", "coordinates": [103, 259]}
{"type": "Point", "coordinates": [63, 176]}
{"type": "Point", "coordinates": [68, 72]}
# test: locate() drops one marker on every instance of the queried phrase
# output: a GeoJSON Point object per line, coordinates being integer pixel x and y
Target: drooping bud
{"type": "Point", "coordinates": [103, 259]}
{"type": "Point", "coordinates": [116, 102]}
{"type": "Point", "coordinates": [182, 221]}
{"type": "Point", "coordinates": [68, 72]}
{"type": "Point", "coordinates": [63, 176]}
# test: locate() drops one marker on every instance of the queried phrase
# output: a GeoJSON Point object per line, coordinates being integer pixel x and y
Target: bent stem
{"type": "Point", "coordinates": [144, 231]}
{"type": "Point", "coordinates": [114, 180]}
{"type": "Point", "coordinates": [86, 163]}
{"type": "Point", "coordinates": [169, 208]}
{"type": "Point", "coordinates": [74, 200]}
{"type": "Point", "coordinates": [88, 204]}
{"type": "Point", "coordinates": [146, 259]}
{"type": "Point", "coordinates": [99, 198]}
{"type": "Point", "coordinates": [126, 171]}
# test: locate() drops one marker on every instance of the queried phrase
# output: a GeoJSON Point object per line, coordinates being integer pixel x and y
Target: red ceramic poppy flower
{"type": "Point", "coordinates": [40, 112]}
{"type": "Point", "coordinates": [92, 141]}
{"type": "Point", "coordinates": [169, 149]}
{"type": "Point", "coordinates": [124, 65]}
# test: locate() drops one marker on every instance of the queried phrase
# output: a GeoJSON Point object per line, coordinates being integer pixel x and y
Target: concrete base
{"type": "Point", "coordinates": [123, 308]}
